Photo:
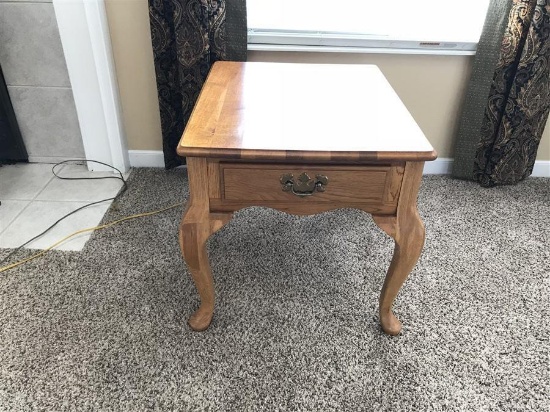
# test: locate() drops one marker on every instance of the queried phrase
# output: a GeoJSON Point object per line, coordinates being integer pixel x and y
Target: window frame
{"type": "Point", "coordinates": [412, 29]}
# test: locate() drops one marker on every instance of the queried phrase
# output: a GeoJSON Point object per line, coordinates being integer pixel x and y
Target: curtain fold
{"type": "Point", "coordinates": [504, 117]}
{"type": "Point", "coordinates": [188, 36]}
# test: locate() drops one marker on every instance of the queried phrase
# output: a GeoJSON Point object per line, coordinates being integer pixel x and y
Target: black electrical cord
{"type": "Point", "coordinates": [72, 161]}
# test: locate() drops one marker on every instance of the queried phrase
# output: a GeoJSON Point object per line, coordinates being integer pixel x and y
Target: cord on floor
{"type": "Point", "coordinates": [75, 161]}
{"type": "Point", "coordinates": [104, 226]}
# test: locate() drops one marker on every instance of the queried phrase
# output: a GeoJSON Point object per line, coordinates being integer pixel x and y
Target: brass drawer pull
{"type": "Point", "coordinates": [303, 185]}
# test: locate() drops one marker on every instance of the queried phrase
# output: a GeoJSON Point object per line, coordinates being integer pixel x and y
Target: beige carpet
{"type": "Point", "coordinates": [296, 323]}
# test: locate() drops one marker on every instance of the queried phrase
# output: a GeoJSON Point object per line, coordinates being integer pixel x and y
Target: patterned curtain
{"type": "Point", "coordinates": [188, 37]}
{"type": "Point", "coordinates": [503, 147]}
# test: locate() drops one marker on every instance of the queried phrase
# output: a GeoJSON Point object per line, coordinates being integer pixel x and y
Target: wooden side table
{"type": "Point", "coordinates": [302, 139]}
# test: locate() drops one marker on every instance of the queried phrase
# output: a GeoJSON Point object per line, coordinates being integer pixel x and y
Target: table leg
{"type": "Point", "coordinates": [193, 236]}
{"type": "Point", "coordinates": [407, 229]}
{"type": "Point", "coordinates": [196, 227]}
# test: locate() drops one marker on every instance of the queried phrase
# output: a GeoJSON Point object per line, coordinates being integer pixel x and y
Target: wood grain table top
{"type": "Point", "coordinates": [301, 112]}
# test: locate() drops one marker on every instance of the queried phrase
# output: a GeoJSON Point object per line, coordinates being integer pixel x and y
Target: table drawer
{"type": "Point", "coordinates": [378, 184]}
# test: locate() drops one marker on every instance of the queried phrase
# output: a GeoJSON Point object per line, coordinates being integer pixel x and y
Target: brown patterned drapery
{"type": "Point", "coordinates": [502, 147]}
{"type": "Point", "coordinates": [188, 36]}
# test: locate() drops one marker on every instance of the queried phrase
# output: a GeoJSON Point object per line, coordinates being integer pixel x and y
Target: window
{"type": "Point", "coordinates": [421, 26]}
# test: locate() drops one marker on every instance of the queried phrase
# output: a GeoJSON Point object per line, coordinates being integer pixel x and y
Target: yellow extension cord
{"type": "Point", "coordinates": [106, 225]}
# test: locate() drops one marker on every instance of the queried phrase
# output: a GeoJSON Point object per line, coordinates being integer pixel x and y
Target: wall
{"type": "Point", "coordinates": [133, 52]}
{"type": "Point", "coordinates": [38, 83]}
{"type": "Point", "coordinates": [432, 87]}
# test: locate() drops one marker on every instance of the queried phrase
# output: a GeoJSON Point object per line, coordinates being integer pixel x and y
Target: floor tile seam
{"type": "Point", "coordinates": [106, 199]}
{"type": "Point", "coordinates": [115, 192]}
{"type": "Point", "coordinates": [17, 215]}
{"type": "Point", "coordinates": [74, 230]}
{"type": "Point", "coordinates": [106, 203]}
{"type": "Point", "coordinates": [32, 86]}
{"type": "Point", "coordinates": [17, 199]}
{"type": "Point", "coordinates": [84, 234]}
{"type": "Point", "coordinates": [47, 183]}
{"type": "Point", "coordinates": [67, 200]}
{"type": "Point", "coordinates": [30, 201]}
{"type": "Point", "coordinates": [35, 201]}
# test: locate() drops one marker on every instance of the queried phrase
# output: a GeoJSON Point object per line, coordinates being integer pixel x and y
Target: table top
{"type": "Point", "coordinates": [306, 112]}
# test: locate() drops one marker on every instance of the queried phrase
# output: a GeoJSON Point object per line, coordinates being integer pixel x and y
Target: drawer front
{"type": "Point", "coordinates": [261, 183]}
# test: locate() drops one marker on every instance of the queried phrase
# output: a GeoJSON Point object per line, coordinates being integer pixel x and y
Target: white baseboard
{"type": "Point", "coordinates": [146, 158]}
{"type": "Point", "coordinates": [442, 166]}
{"type": "Point", "coordinates": [541, 169]}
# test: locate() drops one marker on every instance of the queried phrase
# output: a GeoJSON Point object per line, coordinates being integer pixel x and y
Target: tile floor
{"type": "Point", "coordinates": [33, 198]}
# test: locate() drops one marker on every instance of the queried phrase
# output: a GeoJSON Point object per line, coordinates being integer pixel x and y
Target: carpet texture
{"type": "Point", "coordinates": [296, 324]}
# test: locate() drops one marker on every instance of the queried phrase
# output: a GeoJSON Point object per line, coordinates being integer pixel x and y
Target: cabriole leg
{"type": "Point", "coordinates": [408, 231]}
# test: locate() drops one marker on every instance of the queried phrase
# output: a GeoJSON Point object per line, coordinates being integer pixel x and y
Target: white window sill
{"type": "Point", "coordinates": [306, 41]}
{"type": "Point", "coordinates": [365, 50]}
